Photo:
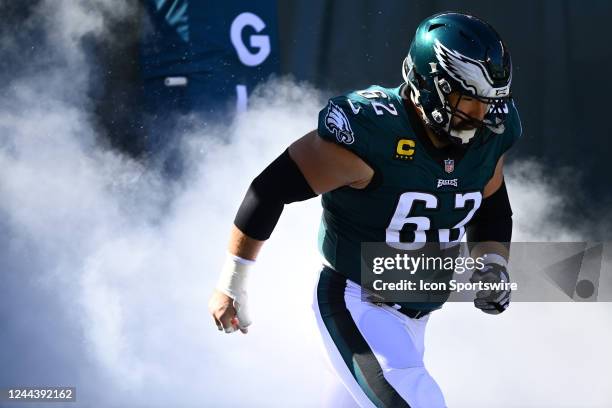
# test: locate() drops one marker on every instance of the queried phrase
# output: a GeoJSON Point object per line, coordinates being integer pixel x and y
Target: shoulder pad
{"type": "Point", "coordinates": [343, 122]}
{"type": "Point", "coordinates": [513, 126]}
{"type": "Point", "coordinates": [353, 119]}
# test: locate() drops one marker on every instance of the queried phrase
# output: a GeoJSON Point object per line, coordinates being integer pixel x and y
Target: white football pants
{"type": "Point", "coordinates": [376, 350]}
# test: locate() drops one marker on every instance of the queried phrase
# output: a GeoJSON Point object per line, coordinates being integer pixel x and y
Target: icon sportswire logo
{"type": "Point", "coordinates": [337, 123]}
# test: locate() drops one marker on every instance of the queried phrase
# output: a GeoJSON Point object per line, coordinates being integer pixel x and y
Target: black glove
{"type": "Point", "coordinates": [491, 301]}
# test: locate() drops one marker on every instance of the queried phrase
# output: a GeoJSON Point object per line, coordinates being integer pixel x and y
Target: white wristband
{"type": "Point", "coordinates": [233, 278]}
{"type": "Point", "coordinates": [492, 258]}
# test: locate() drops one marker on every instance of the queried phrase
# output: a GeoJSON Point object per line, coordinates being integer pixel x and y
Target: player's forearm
{"type": "Point", "coordinates": [242, 245]}
{"type": "Point", "coordinates": [489, 236]}
{"type": "Point", "coordinates": [490, 230]}
{"type": "Point", "coordinates": [490, 247]}
{"type": "Point", "coordinates": [278, 184]}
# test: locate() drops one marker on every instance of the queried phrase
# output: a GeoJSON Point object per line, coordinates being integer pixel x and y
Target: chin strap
{"type": "Point", "coordinates": [464, 136]}
{"type": "Point", "coordinates": [459, 137]}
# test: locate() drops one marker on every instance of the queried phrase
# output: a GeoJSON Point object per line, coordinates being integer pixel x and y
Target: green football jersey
{"type": "Point", "coordinates": [418, 194]}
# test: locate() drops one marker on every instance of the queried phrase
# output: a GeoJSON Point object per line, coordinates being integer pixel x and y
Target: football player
{"type": "Point", "coordinates": [419, 163]}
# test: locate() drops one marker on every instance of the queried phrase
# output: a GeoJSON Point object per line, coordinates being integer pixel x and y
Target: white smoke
{"type": "Point", "coordinates": [544, 198]}
{"type": "Point", "coordinates": [106, 268]}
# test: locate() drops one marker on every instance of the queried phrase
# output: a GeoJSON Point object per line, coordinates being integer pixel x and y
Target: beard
{"type": "Point", "coordinates": [462, 130]}
{"type": "Point", "coordinates": [464, 124]}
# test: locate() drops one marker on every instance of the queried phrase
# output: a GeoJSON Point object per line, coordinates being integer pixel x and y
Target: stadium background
{"type": "Point", "coordinates": [560, 50]}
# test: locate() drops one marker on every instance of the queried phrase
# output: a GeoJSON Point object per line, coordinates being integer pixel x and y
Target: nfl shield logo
{"type": "Point", "coordinates": [449, 165]}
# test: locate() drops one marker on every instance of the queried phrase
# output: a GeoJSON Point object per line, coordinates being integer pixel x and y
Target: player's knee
{"type": "Point", "coordinates": [416, 386]}
{"type": "Point", "coordinates": [390, 340]}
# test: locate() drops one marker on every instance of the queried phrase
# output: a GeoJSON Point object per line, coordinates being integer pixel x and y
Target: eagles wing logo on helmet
{"type": "Point", "coordinates": [337, 123]}
{"type": "Point", "coordinates": [469, 72]}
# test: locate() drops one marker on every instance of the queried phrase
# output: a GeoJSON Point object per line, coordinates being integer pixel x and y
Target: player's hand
{"type": "Point", "coordinates": [492, 301]}
{"type": "Point", "coordinates": [229, 315]}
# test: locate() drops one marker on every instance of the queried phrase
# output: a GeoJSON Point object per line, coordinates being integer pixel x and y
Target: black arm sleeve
{"type": "Point", "coordinates": [493, 220]}
{"type": "Point", "coordinates": [280, 183]}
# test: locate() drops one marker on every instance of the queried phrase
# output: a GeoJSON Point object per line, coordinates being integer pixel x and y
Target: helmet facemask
{"type": "Point", "coordinates": [431, 94]}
